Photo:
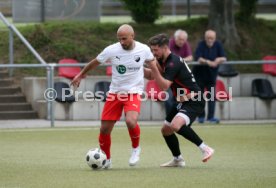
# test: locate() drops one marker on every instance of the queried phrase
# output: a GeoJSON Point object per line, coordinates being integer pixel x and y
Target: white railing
{"type": "Point", "coordinates": [14, 30]}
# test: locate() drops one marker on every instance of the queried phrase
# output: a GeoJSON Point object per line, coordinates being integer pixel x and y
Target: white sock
{"type": "Point", "coordinates": [202, 146]}
{"type": "Point", "coordinates": [137, 148]}
{"type": "Point", "coordinates": [178, 157]}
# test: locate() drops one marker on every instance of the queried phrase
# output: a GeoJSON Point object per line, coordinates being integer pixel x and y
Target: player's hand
{"type": "Point", "coordinates": [152, 64]}
{"type": "Point", "coordinates": [76, 81]}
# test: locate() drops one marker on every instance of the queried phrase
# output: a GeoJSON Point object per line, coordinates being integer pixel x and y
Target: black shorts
{"type": "Point", "coordinates": [192, 109]}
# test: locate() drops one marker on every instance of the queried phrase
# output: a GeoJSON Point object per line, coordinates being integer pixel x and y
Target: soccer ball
{"type": "Point", "coordinates": [95, 158]}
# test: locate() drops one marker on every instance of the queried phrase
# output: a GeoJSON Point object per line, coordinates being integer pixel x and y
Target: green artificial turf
{"type": "Point", "coordinates": [244, 157]}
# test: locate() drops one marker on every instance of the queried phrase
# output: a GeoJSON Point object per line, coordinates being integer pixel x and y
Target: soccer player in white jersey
{"type": "Point", "coordinates": [127, 83]}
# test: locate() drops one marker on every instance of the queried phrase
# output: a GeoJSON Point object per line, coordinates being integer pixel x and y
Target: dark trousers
{"type": "Point", "coordinates": [210, 100]}
{"type": "Point", "coordinates": [207, 84]}
{"type": "Point", "coordinates": [206, 79]}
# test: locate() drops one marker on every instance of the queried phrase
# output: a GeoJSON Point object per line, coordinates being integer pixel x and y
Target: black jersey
{"type": "Point", "coordinates": [176, 70]}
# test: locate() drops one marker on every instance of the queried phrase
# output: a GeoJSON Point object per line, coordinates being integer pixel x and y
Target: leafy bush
{"type": "Point", "coordinates": [143, 11]}
{"type": "Point", "coordinates": [247, 10]}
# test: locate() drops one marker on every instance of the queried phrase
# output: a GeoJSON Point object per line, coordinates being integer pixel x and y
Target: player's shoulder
{"type": "Point", "coordinates": [137, 43]}
{"type": "Point", "coordinates": [113, 46]}
{"type": "Point", "coordinates": [141, 45]}
{"type": "Point", "coordinates": [176, 59]}
{"type": "Point", "coordinates": [112, 49]}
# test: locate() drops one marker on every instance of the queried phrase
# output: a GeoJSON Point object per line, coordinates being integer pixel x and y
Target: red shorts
{"type": "Point", "coordinates": [116, 103]}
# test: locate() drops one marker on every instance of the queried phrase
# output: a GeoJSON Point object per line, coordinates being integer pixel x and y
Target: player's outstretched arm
{"type": "Point", "coordinates": [90, 66]}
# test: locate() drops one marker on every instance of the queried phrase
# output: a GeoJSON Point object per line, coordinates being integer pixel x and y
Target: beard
{"type": "Point", "coordinates": [161, 58]}
{"type": "Point", "coordinates": [125, 47]}
{"type": "Point", "coordinates": [128, 47]}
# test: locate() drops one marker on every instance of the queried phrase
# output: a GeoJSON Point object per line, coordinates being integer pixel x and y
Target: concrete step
{"type": "Point", "coordinates": [4, 74]}
{"type": "Point", "coordinates": [15, 107]}
{"type": "Point", "coordinates": [12, 98]}
{"type": "Point", "coordinates": [6, 82]}
{"type": "Point", "coordinates": [9, 90]}
{"type": "Point", "coordinates": [18, 115]}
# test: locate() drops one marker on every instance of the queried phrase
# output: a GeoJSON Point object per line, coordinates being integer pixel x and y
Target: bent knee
{"type": "Point", "coordinates": [166, 130]}
{"type": "Point", "coordinates": [131, 122]}
{"type": "Point", "coordinates": [106, 127]}
{"type": "Point", "coordinates": [175, 127]}
{"type": "Point", "coordinates": [105, 130]}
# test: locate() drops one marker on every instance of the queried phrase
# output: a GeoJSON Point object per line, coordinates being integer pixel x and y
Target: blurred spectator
{"type": "Point", "coordinates": [210, 54]}
{"type": "Point", "coordinates": [180, 46]}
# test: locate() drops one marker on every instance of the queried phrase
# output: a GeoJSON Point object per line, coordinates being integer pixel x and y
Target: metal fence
{"type": "Point", "coordinates": [50, 68]}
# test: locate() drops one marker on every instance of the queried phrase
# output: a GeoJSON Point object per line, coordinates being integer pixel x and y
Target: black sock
{"type": "Point", "coordinates": [188, 133]}
{"type": "Point", "coordinates": [173, 144]}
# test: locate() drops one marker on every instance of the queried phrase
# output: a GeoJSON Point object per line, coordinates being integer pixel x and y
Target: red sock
{"type": "Point", "coordinates": [135, 136]}
{"type": "Point", "coordinates": [105, 143]}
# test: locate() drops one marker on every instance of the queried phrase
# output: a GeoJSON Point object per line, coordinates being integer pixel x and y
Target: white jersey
{"type": "Point", "coordinates": [127, 66]}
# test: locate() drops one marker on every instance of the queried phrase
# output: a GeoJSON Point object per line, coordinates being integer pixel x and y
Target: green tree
{"type": "Point", "coordinates": [143, 11]}
{"type": "Point", "coordinates": [221, 19]}
{"type": "Point", "coordinates": [247, 10]}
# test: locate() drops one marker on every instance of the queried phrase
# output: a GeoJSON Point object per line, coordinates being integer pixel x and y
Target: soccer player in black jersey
{"type": "Point", "coordinates": [172, 71]}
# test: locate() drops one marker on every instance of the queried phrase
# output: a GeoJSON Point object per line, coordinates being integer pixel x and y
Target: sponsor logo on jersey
{"type": "Point", "coordinates": [117, 57]}
{"type": "Point", "coordinates": [137, 58]}
{"type": "Point", "coordinates": [121, 69]}
{"type": "Point", "coordinates": [133, 69]}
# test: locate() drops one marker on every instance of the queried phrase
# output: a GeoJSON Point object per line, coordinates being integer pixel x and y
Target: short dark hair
{"type": "Point", "coordinates": [160, 40]}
